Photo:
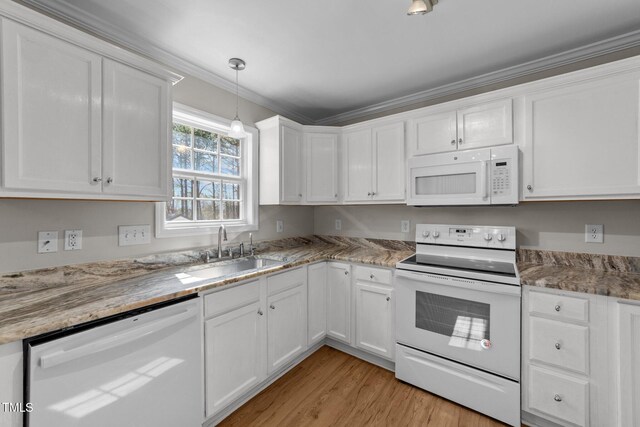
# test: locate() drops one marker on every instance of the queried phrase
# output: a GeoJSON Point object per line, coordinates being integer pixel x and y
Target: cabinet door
{"type": "Point", "coordinates": [233, 355]}
{"type": "Point", "coordinates": [434, 133]}
{"type": "Point", "coordinates": [286, 326]}
{"type": "Point", "coordinates": [485, 125]}
{"type": "Point", "coordinates": [339, 302]}
{"type": "Point", "coordinates": [389, 163]}
{"type": "Point", "coordinates": [136, 128]}
{"type": "Point", "coordinates": [582, 141]}
{"type": "Point", "coordinates": [317, 302]}
{"type": "Point", "coordinates": [629, 380]}
{"type": "Point", "coordinates": [51, 104]}
{"type": "Point", "coordinates": [291, 165]}
{"type": "Point", "coordinates": [321, 151]}
{"type": "Point", "coordinates": [358, 158]}
{"type": "Point", "coordinates": [374, 319]}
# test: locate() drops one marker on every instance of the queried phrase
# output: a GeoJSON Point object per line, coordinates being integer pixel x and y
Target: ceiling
{"type": "Point", "coordinates": [319, 59]}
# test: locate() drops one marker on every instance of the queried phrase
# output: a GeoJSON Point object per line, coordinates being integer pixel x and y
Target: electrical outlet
{"type": "Point", "coordinates": [279, 226]}
{"type": "Point", "coordinates": [47, 242]}
{"type": "Point", "coordinates": [72, 240]}
{"type": "Point", "coordinates": [405, 226]}
{"type": "Point", "coordinates": [338, 224]}
{"type": "Point", "coordinates": [134, 235]}
{"type": "Point", "coordinates": [594, 233]}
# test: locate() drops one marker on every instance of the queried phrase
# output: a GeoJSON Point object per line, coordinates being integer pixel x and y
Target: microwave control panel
{"type": "Point", "coordinates": [501, 177]}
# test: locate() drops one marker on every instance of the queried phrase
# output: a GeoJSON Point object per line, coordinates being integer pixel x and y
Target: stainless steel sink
{"type": "Point", "coordinates": [227, 268]}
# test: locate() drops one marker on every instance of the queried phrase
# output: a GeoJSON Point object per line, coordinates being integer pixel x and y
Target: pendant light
{"type": "Point", "coordinates": [420, 7]}
{"type": "Point", "coordinates": [237, 128]}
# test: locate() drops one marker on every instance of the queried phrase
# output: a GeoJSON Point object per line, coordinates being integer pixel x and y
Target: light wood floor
{"type": "Point", "coordinates": [331, 388]}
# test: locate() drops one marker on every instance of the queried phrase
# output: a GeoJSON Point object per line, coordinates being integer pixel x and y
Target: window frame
{"type": "Point", "coordinates": [248, 178]}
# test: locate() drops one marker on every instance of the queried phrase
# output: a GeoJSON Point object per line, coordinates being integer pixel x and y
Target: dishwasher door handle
{"type": "Point", "coordinates": [63, 356]}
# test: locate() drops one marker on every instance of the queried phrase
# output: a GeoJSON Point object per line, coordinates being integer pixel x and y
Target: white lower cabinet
{"type": "Point", "coordinates": [316, 302]}
{"type": "Point", "coordinates": [339, 301]}
{"type": "Point", "coordinates": [628, 346]}
{"type": "Point", "coordinates": [11, 388]}
{"type": "Point", "coordinates": [374, 317]}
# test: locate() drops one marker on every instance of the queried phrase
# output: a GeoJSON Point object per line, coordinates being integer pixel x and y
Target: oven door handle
{"type": "Point", "coordinates": [468, 284]}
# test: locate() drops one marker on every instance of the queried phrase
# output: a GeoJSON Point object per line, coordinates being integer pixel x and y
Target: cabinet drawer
{"type": "Point", "coordinates": [224, 301]}
{"type": "Point", "coordinates": [287, 280]}
{"type": "Point", "coordinates": [560, 344]}
{"type": "Point", "coordinates": [559, 396]}
{"type": "Point", "coordinates": [559, 306]}
{"type": "Point", "coordinates": [370, 274]}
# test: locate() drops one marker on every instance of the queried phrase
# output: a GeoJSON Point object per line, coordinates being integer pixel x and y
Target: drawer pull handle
{"type": "Point", "coordinates": [371, 276]}
{"type": "Point", "coordinates": [557, 307]}
{"type": "Point", "coordinates": [557, 398]}
{"type": "Point", "coordinates": [558, 346]}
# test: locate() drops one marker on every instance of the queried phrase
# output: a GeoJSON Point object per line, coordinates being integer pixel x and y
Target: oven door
{"type": "Point", "coordinates": [443, 179]}
{"type": "Point", "coordinates": [471, 322]}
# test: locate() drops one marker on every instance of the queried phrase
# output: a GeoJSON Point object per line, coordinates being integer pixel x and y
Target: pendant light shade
{"type": "Point", "coordinates": [420, 7]}
{"type": "Point", "coordinates": [237, 128]}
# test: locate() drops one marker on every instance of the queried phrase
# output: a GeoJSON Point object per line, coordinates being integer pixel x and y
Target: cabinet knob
{"type": "Point", "coordinates": [557, 307]}
{"type": "Point", "coordinates": [335, 195]}
{"type": "Point", "coordinates": [388, 298]}
{"type": "Point", "coordinates": [109, 180]}
{"type": "Point", "coordinates": [272, 307]}
{"type": "Point", "coordinates": [529, 187]}
{"type": "Point", "coordinates": [453, 142]}
{"type": "Point", "coordinates": [373, 193]}
{"type": "Point", "coordinates": [371, 276]}
{"type": "Point", "coordinates": [260, 312]}
{"type": "Point", "coordinates": [557, 398]}
{"type": "Point", "coordinates": [558, 346]}
{"type": "Point", "coordinates": [96, 179]}
{"type": "Point", "coordinates": [369, 193]}
{"type": "Point", "coordinates": [346, 273]}
{"type": "Point", "coordinates": [300, 195]}
{"type": "Point", "coordinates": [460, 141]}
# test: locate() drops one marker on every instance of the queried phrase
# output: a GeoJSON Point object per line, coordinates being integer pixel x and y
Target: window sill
{"type": "Point", "coordinates": [194, 230]}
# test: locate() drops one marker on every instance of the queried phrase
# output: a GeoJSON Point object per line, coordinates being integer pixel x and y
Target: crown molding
{"type": "Point", "coordinates": [568, 57]}
{"type": "Point", "coordinates": [73, 15]}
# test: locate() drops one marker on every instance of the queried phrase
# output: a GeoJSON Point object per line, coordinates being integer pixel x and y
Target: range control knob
{"type": "Point", "coordinates": [501, 237]}
{"type": "Point", "coordinates": [488, 237]}
{"type": "Point", "coordinates": [425, 234]}
{"type": "Point", "coordinates": [435, 234]}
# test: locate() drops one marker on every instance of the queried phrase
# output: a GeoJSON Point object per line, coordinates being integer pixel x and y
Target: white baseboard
{"type": "Point", "coordinates": [361, 354]}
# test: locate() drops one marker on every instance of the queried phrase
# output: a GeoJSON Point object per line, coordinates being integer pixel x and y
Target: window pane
{"type": "Point", "coordinates": [205, 140]}
{"type": "Point", "coordinates": [179, 210]}
{"type": "Point", "coordinates": [208, 210]}
{"type": "Point", "coordinates": [230, 146]}
{"type": "Point", "coordinates": [205, 162]}
{"type": "Point", "coordinates": [230, 166]}
{"type": "Point", "coordinates": [181, 157]}
{"type": "Point", "coordinates": [181, 135]}
{"type": "Point", "coordinates": [231, 210]}
{"type": "Point", "coordinates": [209, 189]}
{"type": "Point", "coordinates": [182, 187]}
{"type": "Point", "coordinates": [231, 191]}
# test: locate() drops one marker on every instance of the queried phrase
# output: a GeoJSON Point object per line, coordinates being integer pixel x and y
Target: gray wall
{"type": "Point", "coordinates": [20, 220]}
{"type": "Point", "coordinates": [543, 225]}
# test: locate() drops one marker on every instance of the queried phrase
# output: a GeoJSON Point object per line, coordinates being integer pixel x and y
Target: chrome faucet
{"type": "Point", "coordinates": [251, 249]}
{"type": "Point", "coordinates": [221, 231]}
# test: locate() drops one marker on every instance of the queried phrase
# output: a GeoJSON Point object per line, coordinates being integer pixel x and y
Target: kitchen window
{"type": "Point", "coordinates": [214, 177]}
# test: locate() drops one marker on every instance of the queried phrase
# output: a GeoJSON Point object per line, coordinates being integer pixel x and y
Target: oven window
{"type": "Point", "coordinates": [461, 183]}
{"type": "Point", "coordinates": [465, 322]}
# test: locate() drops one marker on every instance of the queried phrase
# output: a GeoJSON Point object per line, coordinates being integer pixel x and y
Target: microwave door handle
{"type": "Point", "coordinates": [483, 173]}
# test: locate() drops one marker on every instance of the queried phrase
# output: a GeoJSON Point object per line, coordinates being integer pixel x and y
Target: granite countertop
{"type": "Point", "coordinates": [40, 301]}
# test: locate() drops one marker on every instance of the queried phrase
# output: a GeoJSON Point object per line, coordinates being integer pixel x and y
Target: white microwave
{"type": "Point", "coordinates": [487, 176]}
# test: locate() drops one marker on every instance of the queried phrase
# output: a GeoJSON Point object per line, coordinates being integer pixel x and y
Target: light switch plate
{"type": "Point", "coordinates": [72, 240]}
{"type": "Point", "coordinates": [594, 233]}
{"type": "Point", "coordinates": [134, 235]}
{"type": "Point", "coordinates": [338, 224]}
{"type": "Point", "coordinates": [279, 226]}
{"type": "Point", "coordinates": [47, 242]}
{"type": "Point", "coordinates": [405, 226]}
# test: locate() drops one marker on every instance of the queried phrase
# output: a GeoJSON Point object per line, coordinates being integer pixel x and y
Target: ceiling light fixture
{"type": "Point", "coordinates": [420, 7]}
{"type": "Point", "coordinates": [237, 128]}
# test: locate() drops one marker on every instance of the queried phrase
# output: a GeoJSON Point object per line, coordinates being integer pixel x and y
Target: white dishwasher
{"type": "Point", "coordinates": [142, 368]}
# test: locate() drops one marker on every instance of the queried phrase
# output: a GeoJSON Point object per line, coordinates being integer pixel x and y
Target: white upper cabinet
{"type": "Point", "coordinates": [281, 162]}
{"type": "Point", "coordinates": [51, 113]}
{"type": "Point", "coordinates": [582, 140]}
{"type": "Point", "coordinates": [321, 153]}
{"type": "Point", "coordinates": [135, 138]}
{"type": "Point", "coordinates": [374, 164]}
{"type": "Point", "coordinates": [476, 126]}
{"type": "Point", "coordinates": [76, 121]}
